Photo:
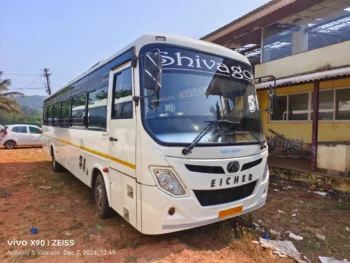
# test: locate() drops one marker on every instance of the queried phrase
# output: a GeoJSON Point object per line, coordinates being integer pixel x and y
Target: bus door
{"type": "Point", "coordinates": [122, 143]}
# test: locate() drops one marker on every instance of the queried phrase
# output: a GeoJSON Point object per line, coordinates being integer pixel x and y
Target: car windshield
{"type": "Point", "coordinates": [198, 88]}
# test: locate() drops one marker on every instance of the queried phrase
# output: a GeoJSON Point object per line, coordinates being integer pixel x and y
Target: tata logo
{"type": "Point", "coordinates": [233, 167]}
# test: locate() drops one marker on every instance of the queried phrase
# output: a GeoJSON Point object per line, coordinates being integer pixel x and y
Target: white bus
{"type": "Point", "coordinates": [166, 132]}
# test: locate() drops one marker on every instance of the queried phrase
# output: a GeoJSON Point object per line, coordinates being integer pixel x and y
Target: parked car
{"type": "Point", "coordinates": [2, 129]}
{"type": "Point", "coordinates": [21, 135]}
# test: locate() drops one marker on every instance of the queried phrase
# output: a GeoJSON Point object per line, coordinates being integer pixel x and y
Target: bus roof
{"type": "Point", "coordinates": [170, 39]}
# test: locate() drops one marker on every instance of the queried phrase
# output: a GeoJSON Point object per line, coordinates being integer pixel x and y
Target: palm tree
{"type": "Point", "coordinates": [7, 103]}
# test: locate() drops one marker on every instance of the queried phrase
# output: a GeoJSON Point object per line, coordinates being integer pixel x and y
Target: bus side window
{"type": "Point", "coordinates": [64, 115]}
{"type": "Point", "coordinates": [97, 108]}
{"type": "Point", "coordinates": [49, 115]}
{"type": "Point", "coordinates": [44, 116]}
{"type": "Point", "coordinates": [56, 114]}
{"type": "Point", "coordinates": [122, 107]}
{"type": "Point", "coordinates": [78, 111]}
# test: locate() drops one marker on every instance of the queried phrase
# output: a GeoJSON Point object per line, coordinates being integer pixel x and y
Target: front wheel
{"type": "Point", "coordinates": [56, 167]}
{"type": "Point", "coordinates": [100, 198]}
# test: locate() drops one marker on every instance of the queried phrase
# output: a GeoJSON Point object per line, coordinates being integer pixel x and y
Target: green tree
{"type": "Point", "coordinates": [7, 103]}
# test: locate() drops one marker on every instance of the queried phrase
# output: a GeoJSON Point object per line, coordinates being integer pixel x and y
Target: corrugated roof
{"type": "Point", "coordinates": [255, 11]}
{"type": "Point", "coordinates": [323, 75]}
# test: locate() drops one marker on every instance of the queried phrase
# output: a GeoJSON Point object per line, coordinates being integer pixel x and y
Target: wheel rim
{"type": "Point", "coordinates": [98, 196]}
{"type": "Point", "coordinates": [10, 145]}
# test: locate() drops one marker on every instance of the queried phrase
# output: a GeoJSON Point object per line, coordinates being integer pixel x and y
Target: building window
{"type": "Point", "coordinates": [122, 104]}
{"type": "Point", "coordinates": [298, 109]}
{"type": "Point", "coordinates": [64, 117]}
{"type": "Point", "coordinates": [325, 106]}
{"type": "Point", "coordinates": [280, 111]}
{"type": "Point", "coordinates": [78, 111]}
{"type": "Point", "coordinates": [342, 104]}
{"type": "Point", "coordinates": [334, 105]}
{"type": "Point", "coordinates": [97, 108]}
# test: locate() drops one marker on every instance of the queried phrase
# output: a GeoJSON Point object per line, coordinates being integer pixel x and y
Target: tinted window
{"type": "Point", "coordinates": [78, 110]}
{"type": "Point", "coordinates": [20, 129]}
{"type": "Point", "coordinates": [49, 115]}
{"type": "Point", "coordinates": [122, 105]}
{"type": "Point", "coordinates": [56, 114]}
{"type": "Point", "coordinates": [123, 110]}
{"type": "Point", "coordinates": [44, 115]}
{"type": "Point", "coordinates": [97, 108]}
{"type": "Point", "coordinates": [64, 117]}
{"type": "Point", "coordinates": [34, 130]}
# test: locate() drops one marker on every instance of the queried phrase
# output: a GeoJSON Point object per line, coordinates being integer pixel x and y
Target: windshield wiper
{"type": "Point", "coordinates": [262, 145]}
{"type": "Point", "coordinates": [210, 126]}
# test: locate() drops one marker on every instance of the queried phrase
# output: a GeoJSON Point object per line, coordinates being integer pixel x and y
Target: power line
{"type": "Point", "coordinates": [28, 85]}
{"type": "Point", "coordinates": [21, 75]}
{"type": "Point", "coordinates": [25, 88]}
{"type": "Point", "coordinates": [33, 81]}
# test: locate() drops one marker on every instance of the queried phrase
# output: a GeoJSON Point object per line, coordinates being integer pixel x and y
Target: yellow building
{"type": "Point", "coordinates": [305, 45]}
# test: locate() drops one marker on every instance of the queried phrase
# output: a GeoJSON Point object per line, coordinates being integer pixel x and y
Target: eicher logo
{"type": "Point", "coordinates": [176, 59]}
{"type": "Point", "coordinates": [232, 180]}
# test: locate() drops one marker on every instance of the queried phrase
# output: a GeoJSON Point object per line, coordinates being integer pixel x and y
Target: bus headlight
{"type": "Point", "coordinates": [265, 172]}
{"type": "Point", "coordinates": [168, 181]}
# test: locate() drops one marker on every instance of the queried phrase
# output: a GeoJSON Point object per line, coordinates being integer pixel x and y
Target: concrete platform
{"type": "Point", "coordinates": [300, 170]}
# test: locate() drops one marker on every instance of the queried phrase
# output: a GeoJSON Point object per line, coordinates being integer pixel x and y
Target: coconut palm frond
{"type": "Point", "coordinates": [5, 84]}
{"type": "Point", "coordinates": [7, 103]}
{"type": "Point", "coordinates": [9, 107]}
{"type": "Point", "coordinates": [12, 93]}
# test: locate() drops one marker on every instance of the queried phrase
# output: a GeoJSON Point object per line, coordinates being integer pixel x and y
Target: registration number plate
{"type": "Point", "coordinates": [230, 212]}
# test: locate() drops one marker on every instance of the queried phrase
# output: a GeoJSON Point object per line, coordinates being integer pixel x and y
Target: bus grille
{"type": "Point", "coordinates": [205, 169]}
{"type": "Point", "coordinates": [247, 166]}
{"type": "Point", "coordinates": [223, 196]}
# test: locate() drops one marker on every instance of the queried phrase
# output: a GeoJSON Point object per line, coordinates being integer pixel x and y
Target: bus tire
{"type": "Point", "coordinates": [100, 198]}
{"type": "Point", "coordinates": [56, 166]}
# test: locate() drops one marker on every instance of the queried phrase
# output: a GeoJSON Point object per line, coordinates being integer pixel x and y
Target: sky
{"type": "Point", "coordinates": [68, 37]}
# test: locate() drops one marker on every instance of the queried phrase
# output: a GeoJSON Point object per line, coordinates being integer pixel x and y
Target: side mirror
{"type": "Point", "coordinates": [152, 75]}
{"type": "Point", "coordinates": [269, 110]}
{"type": "Point", "coordinates": [272, 98]}
{"type": "Point", "coordinates": [272, 91]}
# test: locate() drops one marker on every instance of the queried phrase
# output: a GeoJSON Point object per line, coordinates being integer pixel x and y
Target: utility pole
{"type": "Point", "coordinates": [47, 76]}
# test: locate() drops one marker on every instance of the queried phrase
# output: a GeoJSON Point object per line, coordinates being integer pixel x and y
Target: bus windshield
{"type": "Point", "coordinates": [196, 89]}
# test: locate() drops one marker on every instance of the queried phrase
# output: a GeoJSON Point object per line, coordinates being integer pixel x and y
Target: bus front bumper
{"type": "Point", "coordinates": [188, 211]}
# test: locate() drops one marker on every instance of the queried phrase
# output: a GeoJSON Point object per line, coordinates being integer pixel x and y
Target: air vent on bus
{"type": "Point", "coordinates": [247, 166]}
{"type": "Point", "coordinates": [205, 169]}
{"type": "Point", "coordinates": [223, 196]}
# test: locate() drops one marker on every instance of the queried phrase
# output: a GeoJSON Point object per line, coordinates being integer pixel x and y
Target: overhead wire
{"type": "Point", "coordinates": [28, 85]}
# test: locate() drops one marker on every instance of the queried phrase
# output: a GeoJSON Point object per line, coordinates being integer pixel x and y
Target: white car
{"type": "Point", "coordinates": [21, 135]}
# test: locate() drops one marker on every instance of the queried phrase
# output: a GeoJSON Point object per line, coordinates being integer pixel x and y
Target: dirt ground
{"type": "Point", "coordinates": [65, 212]}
